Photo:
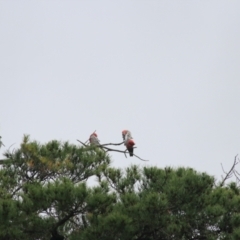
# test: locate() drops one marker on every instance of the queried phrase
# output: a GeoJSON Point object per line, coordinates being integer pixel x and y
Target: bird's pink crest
{"type": "Point", "coordinates": [124, 132]}
{"type": "Point", "coordinates": [93, 134]}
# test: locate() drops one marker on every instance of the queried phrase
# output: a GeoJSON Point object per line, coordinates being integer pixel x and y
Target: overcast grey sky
{"type": "Point", "coordinates": [169, 71]}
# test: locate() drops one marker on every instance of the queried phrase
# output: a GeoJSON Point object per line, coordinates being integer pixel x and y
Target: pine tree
{"type": "Point", "coordinates": [44, 195]}
{"type": "Point", "coordinates": [43, 189]}
{"type": "Point", "coordinates": [166, 204]}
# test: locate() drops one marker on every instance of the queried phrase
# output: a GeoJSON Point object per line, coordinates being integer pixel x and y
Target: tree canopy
{"type": "Point", "coordinates": [44, 195]}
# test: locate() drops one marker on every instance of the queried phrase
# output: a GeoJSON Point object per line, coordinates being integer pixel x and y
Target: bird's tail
{"type": "Point", "coordinates": [130, 150]}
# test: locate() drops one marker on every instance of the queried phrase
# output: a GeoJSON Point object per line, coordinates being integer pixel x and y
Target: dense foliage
{"type": "Point", "coordinates": [44, 195]}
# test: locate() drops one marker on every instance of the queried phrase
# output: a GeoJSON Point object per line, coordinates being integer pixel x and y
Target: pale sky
{"type": "Point", "coordinates": [169, 71]}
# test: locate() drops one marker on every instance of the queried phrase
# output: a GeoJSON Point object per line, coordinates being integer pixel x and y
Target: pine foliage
{"type": "Point", "coordinates": [44, 195]}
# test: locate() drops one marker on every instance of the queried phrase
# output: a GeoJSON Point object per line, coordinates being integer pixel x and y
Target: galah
{"type": "Point", "coordinates": [93, 139]}
{"type": "Point", "coordinates": [128, 141]}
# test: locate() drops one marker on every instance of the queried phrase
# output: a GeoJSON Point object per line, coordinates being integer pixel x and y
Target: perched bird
{"type": "Point", "coordinates": [93, 139]}
{"type": "Point", "coordinates": [129, 144]}
{"type": "Point", "coordinates": [1, 143]}
{"type": "Point", "coordinates": [128, 141]}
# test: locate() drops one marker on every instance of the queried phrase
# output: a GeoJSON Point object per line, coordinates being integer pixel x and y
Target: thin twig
{"type": "Point", "coordinates": [125, 153]}
{"type": "Point", "coordinates": [230, 172]}
{"type": "Point", "coordinates": [82, 143]}
{"type": "Point", "coordinates": [235, 171]}
{"type": "Point", "coordinates": [11, 146]}
{"type": "Point", "coordinates": [140, 158]}
{"type": "Point", "coordinates": [236, 175]}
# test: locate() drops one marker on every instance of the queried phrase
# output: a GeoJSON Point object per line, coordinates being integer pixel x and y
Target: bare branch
{"type": "Point", "coordinates": [103, 146]}
{"type": "Point", "coordinates": [82, 143]}
{"type": "Point", "coordinates": [15, 191]}
{"type": "Point", "coordinates": [230, 172]}
{"type": "Point", "coordinates": [114, 144]}
{"type": "Point", "coordinates": [114, 150]}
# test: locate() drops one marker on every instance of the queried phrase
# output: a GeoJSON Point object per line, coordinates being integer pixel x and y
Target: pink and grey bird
{"type": "Point", "coordinates": [93, 139]}
{"type": "Point", "coordinates": [128, 141]}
